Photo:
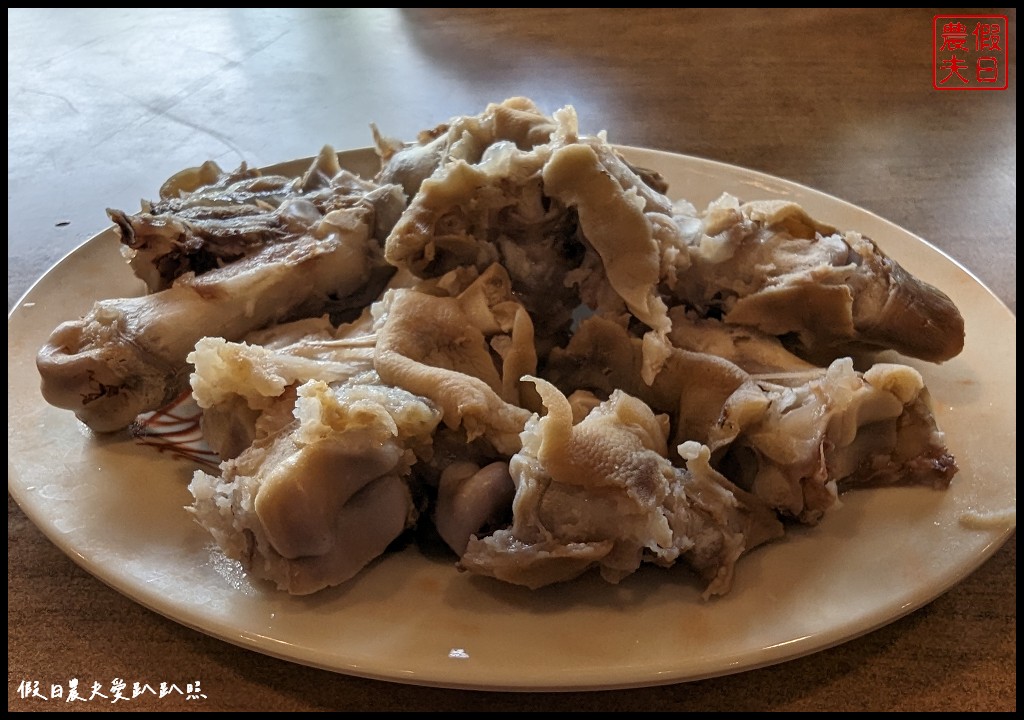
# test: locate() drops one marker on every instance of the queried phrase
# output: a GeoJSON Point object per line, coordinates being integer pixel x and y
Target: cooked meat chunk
{"type": "Point", "coordinates": [516, 120]}
{"type": "Point", "coordinates": [127, 355]}
{"type": "Point", "coordinates": [792, 437]}
{"type": "Point", "coordinates": [796, 440]}
{"type": "Point", "coordinates": [311, 504]}
{"type": "Point", "coordinates": [747, 348]}
{"type": "Point", "coordinates": [240, 386]}
{"type": "Point", "coordinates": [691, 388]}
{"type": "Point", "coordinates": [601, 493]}
{"type": "Point", "coordinates": [438, 347]}
{"type": "Point", "coordinates": [471, 500]}
{"type": "Point", "coordinates": [616, 223]}
{"type": "Point", "coordinates": [207, 218]}
{"type": "Point", "coordinates": [770, 266]}
{"type": "Point", "coordinates": [475, 214]}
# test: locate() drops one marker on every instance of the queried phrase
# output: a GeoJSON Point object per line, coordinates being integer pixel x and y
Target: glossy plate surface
{"type": "Point", "coordinates": [116, 508]}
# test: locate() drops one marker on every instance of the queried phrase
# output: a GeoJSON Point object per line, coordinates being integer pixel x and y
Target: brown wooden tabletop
{"type": "Point", "coordinates": [103, 105]}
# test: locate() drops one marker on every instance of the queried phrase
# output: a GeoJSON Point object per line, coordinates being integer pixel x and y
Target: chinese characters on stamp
{"type": "Point", "coordinates": [118, 690]}
{"type": "Point", "coordinates": [970, 52]}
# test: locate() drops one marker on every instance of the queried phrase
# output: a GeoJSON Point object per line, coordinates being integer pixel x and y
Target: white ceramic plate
{"type": "Point", "coordinates": [116, 508]}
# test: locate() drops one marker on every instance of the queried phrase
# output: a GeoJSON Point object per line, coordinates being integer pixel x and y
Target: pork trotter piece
{"type": "Point", "coordinates": [127, 356]}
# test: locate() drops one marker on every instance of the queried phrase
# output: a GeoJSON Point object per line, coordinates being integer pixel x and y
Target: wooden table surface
{"type": "Point", "coordinates": [104, 105]}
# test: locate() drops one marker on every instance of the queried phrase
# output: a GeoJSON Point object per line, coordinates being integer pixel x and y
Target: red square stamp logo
{"type": "Point", "coordinates": [970, 52]}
